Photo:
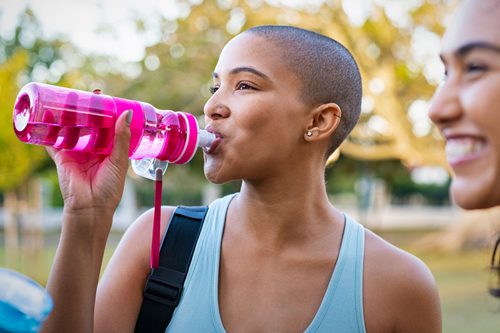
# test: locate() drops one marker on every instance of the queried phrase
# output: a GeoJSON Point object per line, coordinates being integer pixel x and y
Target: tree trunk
{"type": "Point", "coordinates": [24, 236]}
{"type": "Point", "coordinates": [11, 229]}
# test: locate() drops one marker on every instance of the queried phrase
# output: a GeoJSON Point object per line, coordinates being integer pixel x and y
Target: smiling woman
{"type": "Point", "coordinates": [466, 108]}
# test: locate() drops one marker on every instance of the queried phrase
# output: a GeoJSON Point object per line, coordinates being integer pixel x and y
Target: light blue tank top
{"type": "Point", "coordinates": [341, 310]}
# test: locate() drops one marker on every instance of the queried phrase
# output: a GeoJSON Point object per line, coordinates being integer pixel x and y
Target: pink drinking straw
{"type": "Point", "coordinates": [155, 239]}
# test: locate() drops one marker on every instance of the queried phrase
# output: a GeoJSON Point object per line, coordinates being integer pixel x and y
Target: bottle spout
{"type": "Point", "coordinates": [205, 139]}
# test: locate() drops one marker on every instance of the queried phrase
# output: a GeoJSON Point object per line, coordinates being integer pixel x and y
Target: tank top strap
{"type": "Point", "coordinates": [341, 310]}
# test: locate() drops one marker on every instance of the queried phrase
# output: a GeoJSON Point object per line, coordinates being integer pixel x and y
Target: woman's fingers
{"type": "Point", "coordinates": [119, 155]}
{"type": "Point", "coordinates": [51, 151]}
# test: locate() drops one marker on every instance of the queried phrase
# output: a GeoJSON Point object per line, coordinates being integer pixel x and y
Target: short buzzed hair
{"type": "Point", "coordinates": [327, 70]}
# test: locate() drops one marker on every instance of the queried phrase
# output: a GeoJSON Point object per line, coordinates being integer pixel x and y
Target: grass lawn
{"type": "Point", "coordinates": [462, 280]}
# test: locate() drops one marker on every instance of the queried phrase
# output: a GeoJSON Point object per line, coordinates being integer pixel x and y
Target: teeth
{"type": "Point", "coordinates": [457, 148]}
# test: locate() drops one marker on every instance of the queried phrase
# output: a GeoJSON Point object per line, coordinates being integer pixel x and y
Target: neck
{"type": "Point", "coordinates": [285, 209]}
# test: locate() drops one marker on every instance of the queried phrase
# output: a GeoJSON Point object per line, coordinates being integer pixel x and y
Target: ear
{"type": "Point", "coordinates": [325, 119]}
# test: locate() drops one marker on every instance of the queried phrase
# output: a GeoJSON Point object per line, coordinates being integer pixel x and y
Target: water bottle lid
{"type": "Point", "coordinates": [24, 304]}
{"type": "Point", "coordinates": [191, 128]}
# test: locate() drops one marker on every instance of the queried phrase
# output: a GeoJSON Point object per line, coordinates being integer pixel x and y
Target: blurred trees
{"type": "Point", "coordinates": [27, 56]}
{"type": "Point", "coordinates": [176, 73]}
{"type": "Point", "coordinates": [21, 54]}
{"type": "Point", "coordinates": [394, 82]}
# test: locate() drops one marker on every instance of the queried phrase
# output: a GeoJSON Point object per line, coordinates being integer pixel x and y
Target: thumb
{"type": "Point", "coordinates": [119, 155]}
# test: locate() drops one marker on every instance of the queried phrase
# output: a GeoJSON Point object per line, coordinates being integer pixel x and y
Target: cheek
{"type": "Point", "coordinates": [256, 122]}
{"type": "Point", "coordinates": [276, 119]}
{"type": "Point", "coordinates": [481, 103]}
{"type": "Point", "coordinates": [483, 96]}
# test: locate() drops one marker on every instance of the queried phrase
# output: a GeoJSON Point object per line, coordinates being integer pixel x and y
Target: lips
{"type": "Point", "coordinates": [218, 140]}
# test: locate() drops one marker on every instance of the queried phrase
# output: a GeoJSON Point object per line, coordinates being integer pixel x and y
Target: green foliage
{"type": "Point", "coordinates": [17, 160]}
{"type": "Point", "coordinates": [404, 190]}
{"type": "Point", "coordinates": [344, 174]}
{"type": "Point", "coordinates": [180, 187]}
{"type": "Point", "coordinates": [176, 73]}
{"type": "Point", "coordinates": [25, 57]}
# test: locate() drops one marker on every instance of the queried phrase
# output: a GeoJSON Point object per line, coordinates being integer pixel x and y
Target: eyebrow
{"type": "Point", "coordinates": [463, 50]}
{"type": "Point", "coordinates": [240, 69]}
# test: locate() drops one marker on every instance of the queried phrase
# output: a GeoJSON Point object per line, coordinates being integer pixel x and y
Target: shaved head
{"type": "Point", "coordinates": [326, 69]}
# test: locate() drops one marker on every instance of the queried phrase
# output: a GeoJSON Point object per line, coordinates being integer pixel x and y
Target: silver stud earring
{"type": "Point", "coordinates": [309, 133]}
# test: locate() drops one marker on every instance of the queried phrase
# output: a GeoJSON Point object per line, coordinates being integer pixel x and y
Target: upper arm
{"type": "Point", "coordinates": [120, 290]}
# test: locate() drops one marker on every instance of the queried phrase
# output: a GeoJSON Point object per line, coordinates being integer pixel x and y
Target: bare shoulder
{"type": "Point", "coordinates": [401, 283]}
{"type": "Point", "coordinates": [140, 229]}
{"type": "Point", "coordinates": [387, 261]}
{"type": "Point", "coordinates": [119, 294]}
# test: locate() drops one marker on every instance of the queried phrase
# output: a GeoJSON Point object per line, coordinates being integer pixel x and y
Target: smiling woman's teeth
{"type": "Point", "coordinates": [458, 148]}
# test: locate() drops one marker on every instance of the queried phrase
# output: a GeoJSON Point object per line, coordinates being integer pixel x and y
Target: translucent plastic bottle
{"type": "Point", "coordinates": [24, 304]}
{"type": "Point", "coordinates": [85, 121]}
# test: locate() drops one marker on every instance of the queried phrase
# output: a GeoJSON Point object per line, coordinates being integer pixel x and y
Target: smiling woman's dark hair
{"type": "Point", "coordinates": [495, 270]}
{"type": "Point", "coordinates": [327, 70]}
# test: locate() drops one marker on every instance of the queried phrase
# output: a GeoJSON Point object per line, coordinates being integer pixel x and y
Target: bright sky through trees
{"type": "Point", "coordinates": [108, 26]}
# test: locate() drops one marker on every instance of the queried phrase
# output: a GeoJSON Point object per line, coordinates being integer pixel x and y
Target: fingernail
{"type": "Point", "coordinates": [128, 120]}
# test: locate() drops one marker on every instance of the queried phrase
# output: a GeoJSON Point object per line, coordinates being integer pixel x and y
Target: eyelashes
{"type": "Point", "coordinates": [475, 67]}
{"type": "Point", "coordinates": [469, 70]}
{"type": "Point", "coordinates": [242, 85]}
{"type": "Point", "coordinates": [213, 89]}
{"type": "Point", "coordinates": [245, 86]}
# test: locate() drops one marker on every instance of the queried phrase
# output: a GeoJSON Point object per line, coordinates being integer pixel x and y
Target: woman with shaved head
{"type": "Point", "coordinates": [466, 107]}
{"type": "Point", "coordinates": [275, 257]}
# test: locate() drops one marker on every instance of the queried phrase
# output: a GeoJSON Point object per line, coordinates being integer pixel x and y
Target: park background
{"type": "Point", "coordinates": [390, 174]}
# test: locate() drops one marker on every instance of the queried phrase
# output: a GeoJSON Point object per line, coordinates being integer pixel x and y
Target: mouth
{"type": "Point", "coordinates": [463, 149]}
{"type": "Point", "coordinates": [215, 143]}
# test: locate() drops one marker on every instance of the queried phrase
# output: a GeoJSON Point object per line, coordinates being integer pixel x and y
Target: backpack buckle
{"type": "Point", "coordinates": [164, 286]}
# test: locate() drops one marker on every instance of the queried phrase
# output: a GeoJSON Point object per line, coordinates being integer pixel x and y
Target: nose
{"type": "Point", "coordinates": [214, 109]}
{"type": "Point", "coordinates": [445, 105]}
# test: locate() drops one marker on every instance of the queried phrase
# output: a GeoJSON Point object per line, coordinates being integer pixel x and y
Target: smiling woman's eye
{"type": "Point", "coordinates": [213, 89]}
{"type": "Point", "coordinates": [445, 74]}
{"type": "Point", "coordinates": [475, 67]}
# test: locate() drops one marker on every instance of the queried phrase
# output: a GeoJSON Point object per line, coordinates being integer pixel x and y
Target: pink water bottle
{"type": "Point", "coordinates": [84, 121]}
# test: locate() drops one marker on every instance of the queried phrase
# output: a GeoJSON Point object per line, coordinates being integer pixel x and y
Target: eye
{"type": "Point", "coordinates": [213, 89]}
{"type": "Point", "coordinates": [445, 74]}
{"type": "Point", "coordinates": [244, 86]}
{"type": "Point", "coordinates": [474, 67]}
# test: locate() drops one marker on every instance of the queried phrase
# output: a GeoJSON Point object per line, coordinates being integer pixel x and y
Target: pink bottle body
{"type": "Point", "coordinates": [84, 121]}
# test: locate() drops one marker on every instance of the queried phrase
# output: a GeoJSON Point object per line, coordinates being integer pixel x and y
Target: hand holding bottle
{"type": "Point", "coordinates": [94, 182]}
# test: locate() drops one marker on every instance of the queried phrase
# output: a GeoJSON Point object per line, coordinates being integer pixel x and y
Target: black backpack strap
{"type": "Point", "coordinates": [164, 285]}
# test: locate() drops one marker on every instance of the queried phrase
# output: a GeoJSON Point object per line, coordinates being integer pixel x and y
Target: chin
{"type": "Point", "coordinates": [215, 176]}
{"type": "Point", "coordinates": [469, 199]}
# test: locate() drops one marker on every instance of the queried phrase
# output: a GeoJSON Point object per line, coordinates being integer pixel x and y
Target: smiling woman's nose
{"type": "Point", "coordinates": [445, 105]}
